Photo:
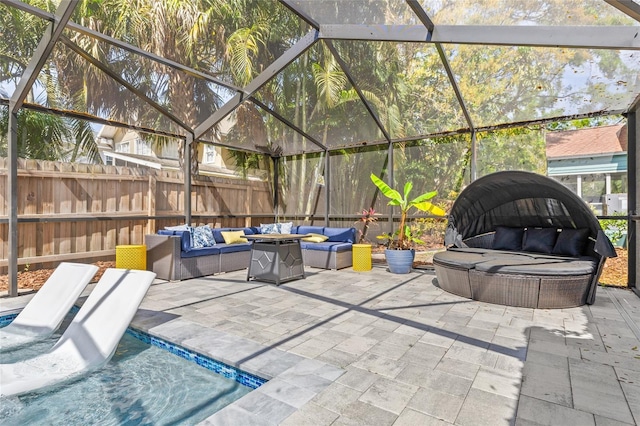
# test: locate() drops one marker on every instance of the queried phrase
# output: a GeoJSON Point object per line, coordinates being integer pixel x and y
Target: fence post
{"type": "Point", "coordinates": [247, 205]}
{"type": "Point", "coordinates": [151, 223]}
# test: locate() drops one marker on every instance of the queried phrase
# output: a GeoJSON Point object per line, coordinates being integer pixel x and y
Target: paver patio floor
{"type": "Point", "coordinates": [374, 348]}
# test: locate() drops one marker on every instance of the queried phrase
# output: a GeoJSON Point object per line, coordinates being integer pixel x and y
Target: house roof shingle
{"type": "Point", "coordinates": [586, 142]}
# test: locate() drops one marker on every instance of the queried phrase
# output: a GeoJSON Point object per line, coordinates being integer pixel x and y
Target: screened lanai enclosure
{"type": "Point", "coordinates": [311, 95]}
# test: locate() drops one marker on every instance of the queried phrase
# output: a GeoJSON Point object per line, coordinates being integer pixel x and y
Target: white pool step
{"type": "Point", "coordinates": [45, 311]}
{"type": "Point", "coordinates": [91, 338]}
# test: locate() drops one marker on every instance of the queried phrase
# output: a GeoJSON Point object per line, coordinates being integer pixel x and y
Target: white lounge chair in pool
{"type": "Point", "coordinates": [45, 311]}
{"type": "Point", "coordinates": [91, 338]}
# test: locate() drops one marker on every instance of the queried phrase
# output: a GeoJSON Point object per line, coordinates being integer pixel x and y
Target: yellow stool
{"type": "Point", "coordinates": [131, 257]}
{"type": "Point", "coordinates": [362, 257]}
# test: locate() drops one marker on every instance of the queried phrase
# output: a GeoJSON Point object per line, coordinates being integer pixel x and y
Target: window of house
{"type": "Point", "coordinates": [210, 154]}
{"type": "Point", "coordinates": [619, 183]}
{"type": "Point", "coordinates": [568, 181]}
{"type": "Point", "coordinates": [170, 150]}
{"type": "Point", "coordinates": [593, 187]}
{"type": "Point", "coordinates": [122, 147]}
{"type": "Point", "coordinates": [143, 147]}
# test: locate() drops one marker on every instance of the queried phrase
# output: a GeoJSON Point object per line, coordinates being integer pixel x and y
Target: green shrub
{"type": "Point", "coordinates": [614, 228]}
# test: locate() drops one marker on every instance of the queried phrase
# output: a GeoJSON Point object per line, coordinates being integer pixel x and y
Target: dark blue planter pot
{"type": "Point", "coordinates": [399, 261]}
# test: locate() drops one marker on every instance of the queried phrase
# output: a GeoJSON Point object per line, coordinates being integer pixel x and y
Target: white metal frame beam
{"type": "Point", "coordinates": [114, 76]}
{"type": "Point", "coordinates": [581, 37]}
{"type": "Point", "coordinates": [120, 44]}
{"type": "Point", "coordinates": [263, 78]}
{"type": "Point", "coordinates": [363, 98]}
{"type": "Point", "coordinates": [292, 7]}
{"type": "Point", "coordinates": [428, 23]}
{"type": "Point", "coordinates": [288, 123]}
{"type": "Point", "coordinates": [633, 220]}
{"type": "Point", "coordinates": [627, 7]}
{"type": "Point", "coordinates": [36, 63]}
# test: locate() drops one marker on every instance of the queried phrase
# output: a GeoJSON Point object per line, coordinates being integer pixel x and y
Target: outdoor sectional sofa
{"type": "Point", "coordinates": [522, 239]}
{"type": "Point", "coordinates": [171, 256]}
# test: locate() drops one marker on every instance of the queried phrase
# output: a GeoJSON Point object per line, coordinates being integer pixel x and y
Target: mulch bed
{"type": "Point", "coordinates": [33, 280]}
{"type": "Point", "coordinates": [614, 274]}
{"type": "Point", "coordinates": [615, 271]}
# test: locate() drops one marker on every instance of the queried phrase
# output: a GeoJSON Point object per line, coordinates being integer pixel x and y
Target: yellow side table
{"type": "Point", "coordinates": [362, 257]}
{"type": "Point", "coordinates": [131, 257]}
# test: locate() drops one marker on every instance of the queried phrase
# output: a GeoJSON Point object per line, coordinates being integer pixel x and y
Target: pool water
{"type": "Point", "coordinates": [141, 385]}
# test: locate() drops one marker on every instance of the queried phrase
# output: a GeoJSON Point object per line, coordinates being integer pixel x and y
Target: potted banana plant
{"type": "Point", "coordinates": [399, 251]}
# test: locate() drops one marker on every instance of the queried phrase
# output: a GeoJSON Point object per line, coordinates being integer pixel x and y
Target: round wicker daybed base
{"type": "Point", "coordinates": [527, 291]}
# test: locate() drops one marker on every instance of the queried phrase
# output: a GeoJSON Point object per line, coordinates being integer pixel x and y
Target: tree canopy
{"type": "Point", "coordinates": [340, 96]}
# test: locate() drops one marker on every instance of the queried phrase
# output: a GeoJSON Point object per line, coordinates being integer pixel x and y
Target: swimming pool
{"type": "Point", "coordinates": [143, 384]}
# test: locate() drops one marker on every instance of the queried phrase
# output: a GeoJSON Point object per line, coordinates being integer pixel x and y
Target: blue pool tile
{"type": "Point", "coordinates": [5, 320]}
{"type": "Point", "coordinates": [242, 377]}
{"type": "Point", "coordinates": [221, 368]}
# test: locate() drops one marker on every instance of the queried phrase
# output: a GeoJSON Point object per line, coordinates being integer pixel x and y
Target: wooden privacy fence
{"type": "Point", "coordinates": [80, 212]}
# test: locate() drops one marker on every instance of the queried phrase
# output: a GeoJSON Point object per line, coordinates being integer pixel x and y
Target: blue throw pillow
{"type": "Point", "coordinates": [203, 237]}
{"type": "Point", "coordinates": [269, 228]}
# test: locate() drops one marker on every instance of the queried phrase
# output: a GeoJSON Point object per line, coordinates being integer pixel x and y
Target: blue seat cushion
{"type": "Point", "coordinates": [234, 248]}
{"type": "Point", "coordinates": [202, 251]}
{"type": "Point", "coordinates": [326, 246]}
{"type": "Point", "coordinates": [341, 235]}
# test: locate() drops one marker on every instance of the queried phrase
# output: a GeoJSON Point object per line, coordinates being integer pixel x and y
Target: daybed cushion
{"type": "Point", "coordinates": [507, 238]}
{"type": "Point", "coordinates": [571, 242]}
{"type": "Point", "coordinates": [552, 267]}
{"type": "Point", "coordinates": [540, 240]}
{"type": "Point", "coordinates": [458, 259]}
{"type": "Point", "coordinates": [496, 261]}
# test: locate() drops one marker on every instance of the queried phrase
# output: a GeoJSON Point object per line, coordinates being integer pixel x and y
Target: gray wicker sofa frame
{"type": "Point", "coordinates": [171, 257]}
{"type": "Point", "coordinates": [474, 267]}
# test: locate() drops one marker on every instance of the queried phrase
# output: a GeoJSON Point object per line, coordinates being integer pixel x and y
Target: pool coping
{"type": "Point", "coordinates": [291, 380]}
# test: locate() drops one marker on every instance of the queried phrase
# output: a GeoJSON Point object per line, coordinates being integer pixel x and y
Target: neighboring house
{"type": "Point", "coordinates": [124, 147]}
{"type": "Point", "coordinates": [592, 163]}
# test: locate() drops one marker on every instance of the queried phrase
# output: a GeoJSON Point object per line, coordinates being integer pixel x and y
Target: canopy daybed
{"type": "Point", "coordinates": [522, 239]}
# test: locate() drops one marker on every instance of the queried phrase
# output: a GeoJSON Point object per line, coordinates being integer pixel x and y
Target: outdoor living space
{"type": "Point", "coordinates": [375, 348]}
{"type": "Point", "coordinates": [172, 138]}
